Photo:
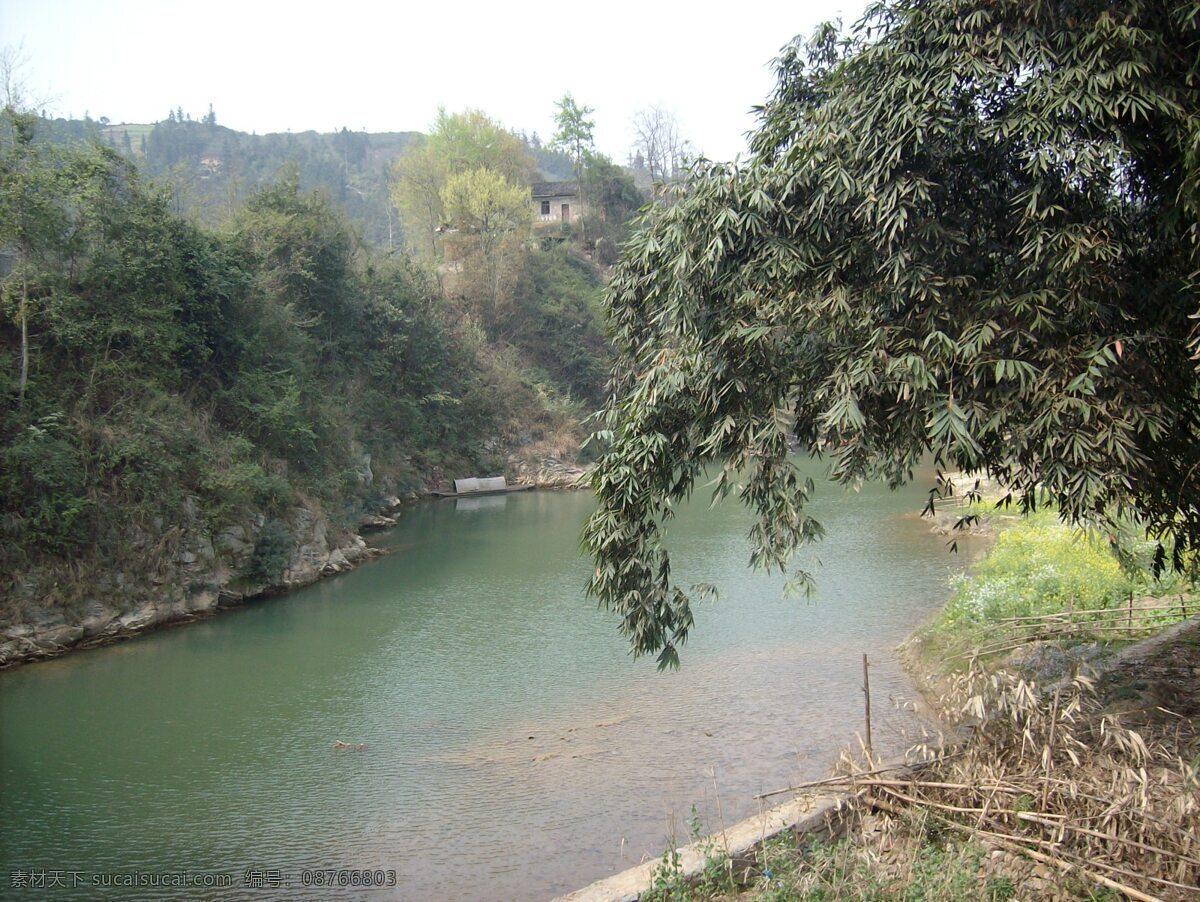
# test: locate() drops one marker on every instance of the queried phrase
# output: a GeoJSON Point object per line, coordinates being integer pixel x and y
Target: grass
{"type": "Point", "coordinates": [922, 864]}
{"type": "Point", "coordinates": [1040, 567]}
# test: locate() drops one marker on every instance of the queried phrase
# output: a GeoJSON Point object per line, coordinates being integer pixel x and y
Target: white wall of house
{"type": "Point", "coordinates": [550, 209]}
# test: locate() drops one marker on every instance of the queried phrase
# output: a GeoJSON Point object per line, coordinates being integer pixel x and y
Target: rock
{"type": "Point", "coordinates": [97, 624]}
{"type": "Point", "coordinates": [201, 599]}
{"type": "Point", "coordinates": [233, 542]}
{"type": "Point", "coordinates": [40, 617]}
{"type": "Point", "coordinates": [362, 470]}
{"type": "Point", "coordinates": [336, 563]}
{"type": "Point", "coordinates": [203, 548]}
{"type": "Point", "coordinates": [59, 637]}
{"type": "Point", "coordinates": [1044, 662]}
{"type": "Point", "coordinates": [234, 533]}
{"type": "Point", "coordinates": [375, 521]}
{"type": "Point", "coordinates": [139, 619]}
{"type": "Point", "coordinates": [554, 474]}
{"type": "Point", "coordinates": [228, 598]}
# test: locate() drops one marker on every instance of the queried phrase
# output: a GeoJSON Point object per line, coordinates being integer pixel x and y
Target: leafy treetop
{"type": "Point", "coordinates": [574, 133]}
{"type": "Point", "coordinates": [968, 230]}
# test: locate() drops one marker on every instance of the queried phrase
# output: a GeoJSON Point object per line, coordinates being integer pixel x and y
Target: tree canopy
{"type": "Point", "coordinates": [967, 232]}
{"type": "Point", "coordinates": [458, 143]}
{"type": "Point", "coordinates": [573, 135]}
{"type": "Point", "coordinates": [151, 369]}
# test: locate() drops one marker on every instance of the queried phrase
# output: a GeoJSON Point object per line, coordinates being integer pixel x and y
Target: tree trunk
{"type": "Point", "coordinates": [24, 339]}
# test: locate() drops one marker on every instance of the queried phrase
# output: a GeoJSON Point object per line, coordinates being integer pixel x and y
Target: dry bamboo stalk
{"type": "Point", "coordinates": [1060, 614]}
{"type": "Point", "coordinates": [1012, 844]}
{"type": "Point", "coordinates": [850, 778]}
{"type": "Point", "coordinates": [1070, 866]}
{"type": "Point", "coordinates": [1098, 862]}
{"type": "Point", "coordinates": [857, 781]}
{"type": "Point", "coordinates": [1122, 839]}
{"type": "Point", "coordinates": [1082, 866]}
{"type": "Point", "coordinates": [932, 784]}
{"type": "Point", "coordinates": [1112, 616]}
{"type": "Point", "coordinates": [1020, 815]}
{"type": "Point", "coordinates": [1050, 743]}
{"type": "Point", "coordinates": [1104, 628]}
{"type": "Point", "coordinates": [1059, 627]}
{"type": "Point", "coordinates": [1013, 646]}
{"type": "Point", "coordinates": [867, 703]}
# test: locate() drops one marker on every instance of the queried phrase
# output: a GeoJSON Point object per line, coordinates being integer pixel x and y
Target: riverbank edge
{"type": "Point", "coordinates": [829, 815]}
{"type": "Point", "coordinates": [191, 597]}
{"type": "Point", "coordinates": [825, 816]}
{"type": "Point", "coordinates": [812, 817]}
{"type": "Point", "coordinates": [184, 601]}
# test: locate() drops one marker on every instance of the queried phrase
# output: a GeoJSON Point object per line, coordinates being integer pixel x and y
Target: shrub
{"type": "Point", "coordinates": [272, 551]}
{"type": "Point", "coordinates": [42, 476]}
{"type": "Point", "coordinates": [1037, 566]}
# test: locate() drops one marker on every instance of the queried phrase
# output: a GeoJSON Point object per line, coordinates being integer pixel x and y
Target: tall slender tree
{"type": "Point", "coordinates": [573, 135]}
{"type": "Point", "coordinates": [574, 138]}
{"type": "Point", "coordinates": [32, 217]}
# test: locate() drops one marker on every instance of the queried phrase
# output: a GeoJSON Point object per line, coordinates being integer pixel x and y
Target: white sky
{"type": "Point", "coordinates": [386, 66]}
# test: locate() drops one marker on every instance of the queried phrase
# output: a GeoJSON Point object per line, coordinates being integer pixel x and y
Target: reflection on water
{"type": "Point", "coordinates": [513, 749]}
{"type": "Point", "coordinates": [487, 502]}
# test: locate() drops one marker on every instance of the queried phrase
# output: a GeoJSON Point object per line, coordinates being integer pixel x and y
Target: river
{"type": "Point", "coordinates": [513, 749]}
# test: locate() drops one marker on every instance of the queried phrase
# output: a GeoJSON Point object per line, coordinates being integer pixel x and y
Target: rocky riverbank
{"type": "Point", "coordinates": [180, 574]}
{"type": "Point", "coordinates": [548, 473]}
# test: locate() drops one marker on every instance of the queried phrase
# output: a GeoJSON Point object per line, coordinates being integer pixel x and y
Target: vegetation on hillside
{"type": "Point", "coordinates": [212, 170]}
{"type": "Point", "coordinates": [157, 374]}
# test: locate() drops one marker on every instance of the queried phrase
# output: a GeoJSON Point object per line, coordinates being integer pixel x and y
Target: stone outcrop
{"type": "Point", "coordinates": [202, 571]}
{"type": "Point", "coordinates": [192, 571]}
{"type": "Point", "coordinates": [547, 473]}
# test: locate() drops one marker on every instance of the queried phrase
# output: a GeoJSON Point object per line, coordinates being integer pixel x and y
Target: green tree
{"type": "Point", "coordinates": [472, 140]}
{"type": "Point", "coordinates": [967, 231]}
{"type": "Point", "coordinates": [574, 133]}
{"type": "Point", "coordinates": [416, 189]}
{"type": "Point", "coordinates": [574, 138]}
{"type": "Point", "coordinates": [48, 212]}
{"type": "Point", "coordinates": [30, 219]}
{"type": "Point", "coordinates": [458, 143]}
{"type": "Point", "coordinates": [612, 197]}
{"type": "Point", "coordinates": [483, 205]}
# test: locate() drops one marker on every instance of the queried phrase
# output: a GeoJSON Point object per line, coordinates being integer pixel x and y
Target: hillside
{"type": "Point", "coordinates": [191, 414]}
{"type": "Point", "coordinates": [212, 170]}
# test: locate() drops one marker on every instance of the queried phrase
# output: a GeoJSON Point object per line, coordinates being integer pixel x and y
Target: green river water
{"type": "Point", "coordinates": [513, 748]}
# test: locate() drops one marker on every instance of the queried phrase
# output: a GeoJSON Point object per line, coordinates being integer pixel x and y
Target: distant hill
{"type": "Point", "coordinates": [212, 169]}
